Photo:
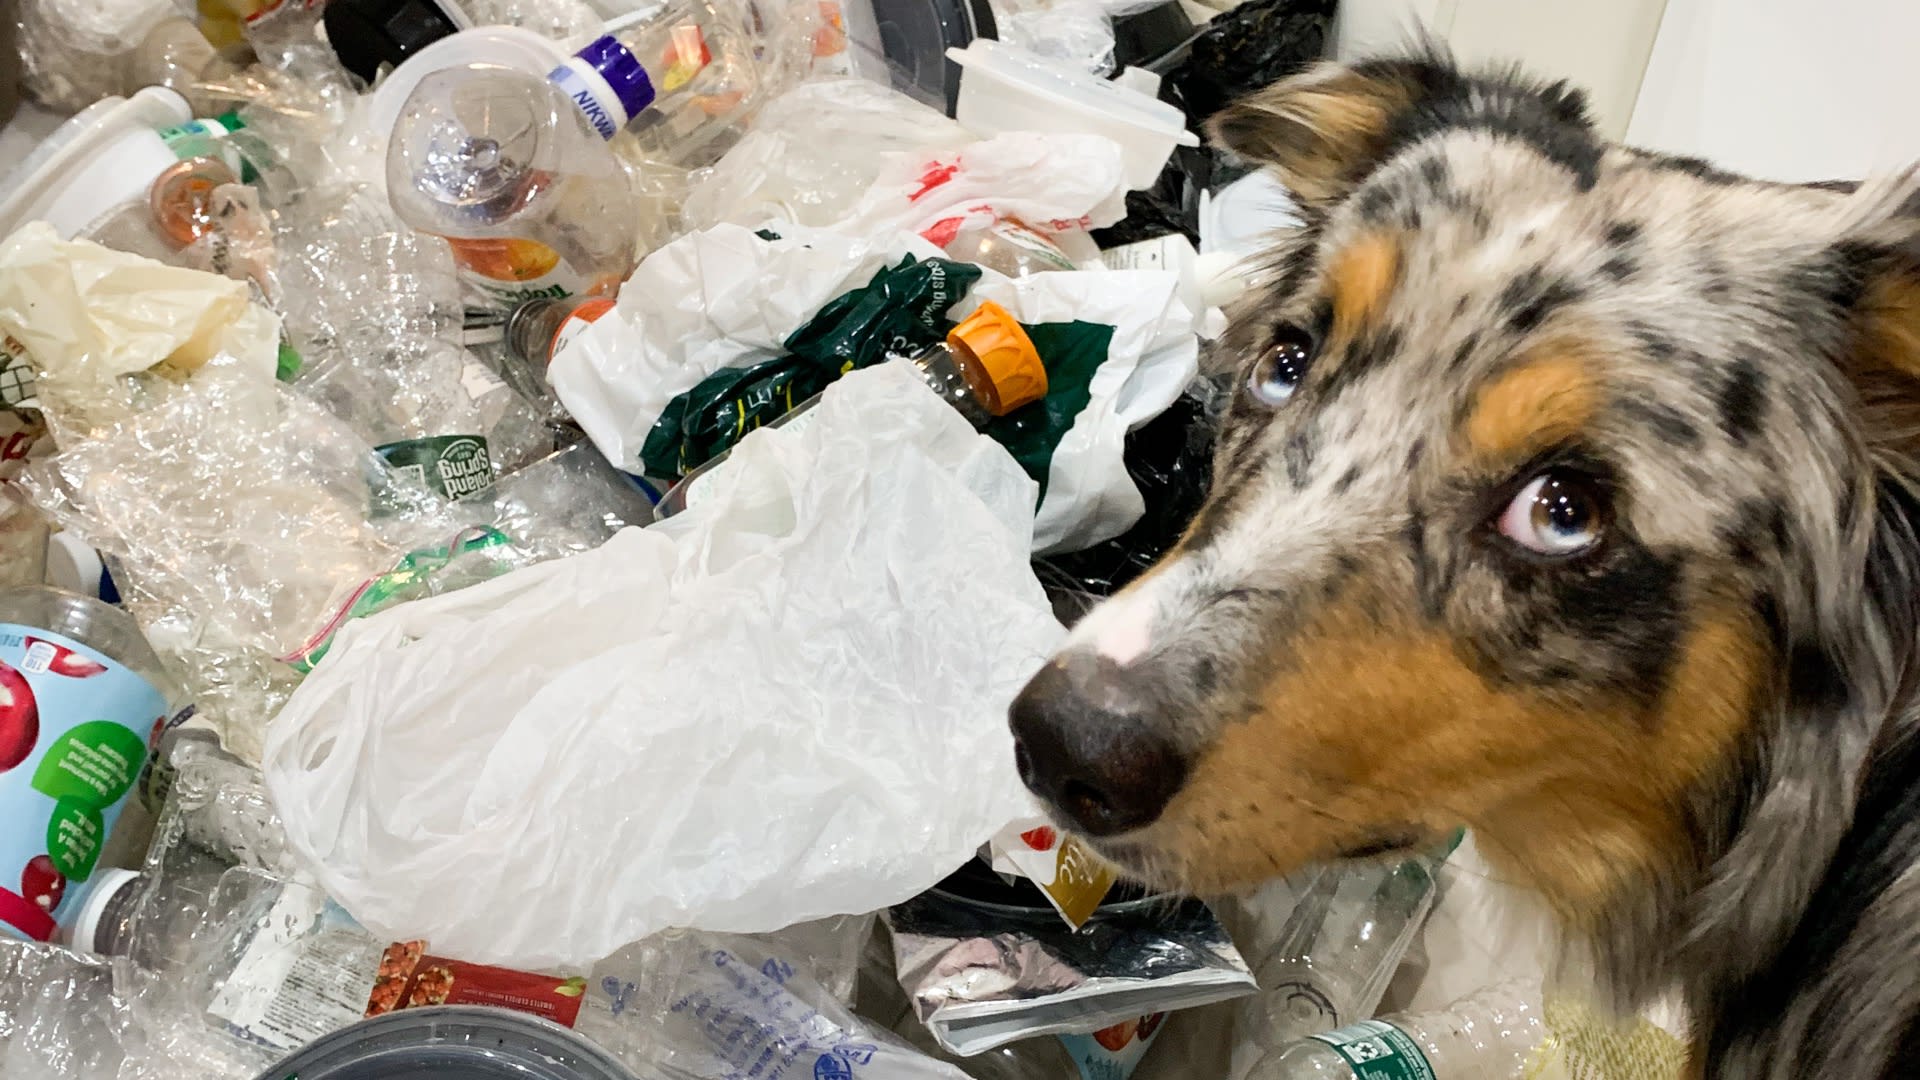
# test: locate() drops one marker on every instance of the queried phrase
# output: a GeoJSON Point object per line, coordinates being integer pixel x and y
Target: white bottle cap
{"type": "Point", "coordinates": [73, 565]}
{"type": "Point", "coordinates": [107, 883]}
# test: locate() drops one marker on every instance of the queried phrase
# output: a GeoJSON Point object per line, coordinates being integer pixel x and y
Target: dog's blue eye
{"type": "Point", "coordinates": [1556, 513]}
{"type": "Point", "coordinates": [1279, 370]}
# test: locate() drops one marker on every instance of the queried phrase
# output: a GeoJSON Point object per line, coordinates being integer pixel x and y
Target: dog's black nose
{"type": "Point", "coordinates": [1081, 747]}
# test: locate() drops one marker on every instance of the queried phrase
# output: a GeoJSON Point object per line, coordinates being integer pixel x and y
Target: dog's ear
{"type": "Point", "coordinates": [1878, 254]}
{"type": "Point", "coordinates": [1324, 130]}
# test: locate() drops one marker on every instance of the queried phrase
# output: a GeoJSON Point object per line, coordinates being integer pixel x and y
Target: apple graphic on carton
{"type": "Point", "coordinates": [19, 718]}
{"type": "Point", "coordinates": [42, 884]}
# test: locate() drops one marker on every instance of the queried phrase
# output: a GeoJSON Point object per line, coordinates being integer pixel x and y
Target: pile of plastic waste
{"type": "Point", "coordinates": [520, 521]}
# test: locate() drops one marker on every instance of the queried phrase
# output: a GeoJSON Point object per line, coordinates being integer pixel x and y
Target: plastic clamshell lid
{"type": "Point", "coordinates": [1030, 73]}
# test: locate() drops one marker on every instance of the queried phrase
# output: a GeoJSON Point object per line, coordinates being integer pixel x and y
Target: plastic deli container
{"type": "Point", "coordinates": [1006, 88]}
{"type": "Point", "coordinates": [106, 155]}
{"type": "Point", "coordinates": [450, 1042]}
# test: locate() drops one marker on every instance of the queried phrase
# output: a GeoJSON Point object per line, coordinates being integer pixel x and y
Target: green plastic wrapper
{"type": "Point", "coordinates": [708, 419]}
{"type": "Point", "coordinates": [900, 312]}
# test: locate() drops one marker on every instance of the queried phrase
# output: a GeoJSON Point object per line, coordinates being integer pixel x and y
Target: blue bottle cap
{"type": "Point", "coordinates": [623, 73]}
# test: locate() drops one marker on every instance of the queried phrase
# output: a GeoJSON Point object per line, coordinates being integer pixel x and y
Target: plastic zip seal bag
{"type": "Point", "coordinates": [986, 964]}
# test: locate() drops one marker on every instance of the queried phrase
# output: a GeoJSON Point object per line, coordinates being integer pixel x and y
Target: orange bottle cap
{"type": "Point", "coordinates": [1006, 352]}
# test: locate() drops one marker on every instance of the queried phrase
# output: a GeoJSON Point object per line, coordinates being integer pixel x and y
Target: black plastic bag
{"type": "Point", "coordinates": [1253, 46]}
{"type": "Point", "coordinates": [1170, 459]}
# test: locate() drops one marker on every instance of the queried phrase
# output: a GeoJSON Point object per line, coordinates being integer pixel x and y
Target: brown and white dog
{"type": "Point", "coordinates": [1568, 494]}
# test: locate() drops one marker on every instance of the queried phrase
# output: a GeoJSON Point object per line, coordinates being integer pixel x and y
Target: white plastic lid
{"type": "Point", "coordinates": [108, 154]}
{"type": "Point", "coordinates": [504, 46]}
{"type": "Point", "coordinates": [106, 883]}
{"type": "Point", "coordinates": [1006, 88]}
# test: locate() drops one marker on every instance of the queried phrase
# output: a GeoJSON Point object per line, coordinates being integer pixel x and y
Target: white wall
{"type": "Point", "coordinates": [1786, 89]}
{"type": "Point", "coordinates": [1601, 45]}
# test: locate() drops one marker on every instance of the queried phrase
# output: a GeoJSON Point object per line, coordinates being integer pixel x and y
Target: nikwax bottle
{"type": "Point", "coordinates": [81, 696]}
{"type": "Point", "coordinates": [673, 81]}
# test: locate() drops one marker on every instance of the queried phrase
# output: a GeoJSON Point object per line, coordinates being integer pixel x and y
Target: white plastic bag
{"type": "Point", "coordinates": [786, 703]}
{"type": "Point", "coordinates": [1063, 184]}
{"type": "Point", "coordinates": [85, 315]}
{"type": "Point", "coordinates": [813, 152]}
{"type": "Point", "coordinates": [1151, 359]}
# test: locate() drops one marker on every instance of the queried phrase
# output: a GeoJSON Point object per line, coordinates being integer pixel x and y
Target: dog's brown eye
{"type": "Point", "coordinates": [1556, 513]}
{"type": "Point", "coordinates": [1279, 370]}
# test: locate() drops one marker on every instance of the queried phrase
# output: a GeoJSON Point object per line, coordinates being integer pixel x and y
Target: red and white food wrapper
{"type": "Point", "coordinates": [1060, 864]}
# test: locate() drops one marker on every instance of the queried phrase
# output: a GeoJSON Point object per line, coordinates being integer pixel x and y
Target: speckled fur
{"type": "Point", "coordinates": [1700, 744]}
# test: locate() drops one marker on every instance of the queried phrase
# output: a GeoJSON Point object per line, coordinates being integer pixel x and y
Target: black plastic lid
{"type": "Point", "coordinates": [450, 1042]}
{"type": "Point", "coordinates": [368, 33]}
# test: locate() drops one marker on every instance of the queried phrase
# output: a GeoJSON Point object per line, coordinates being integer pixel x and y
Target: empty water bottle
{"type": "Point", "coordinates": [1332, 960]}
{"type": "Point", "coordinates": [1497, 1034]}
{"type": "Point", "coordinates": [508, 169]}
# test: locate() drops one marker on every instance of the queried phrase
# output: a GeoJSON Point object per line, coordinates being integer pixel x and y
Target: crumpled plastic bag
{"type": "Point", "coordinates": [1054, 183]}
{"type": "Point", "coordinates": [812, 153]}
{"type": "Point", "coordinates": [86, 315]}
{"type": "Point", "coordinates": [785, 703]}
{"type": "Point", "coordinates": [58, 1014]}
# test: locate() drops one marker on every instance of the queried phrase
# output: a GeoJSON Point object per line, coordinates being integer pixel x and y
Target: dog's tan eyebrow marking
{"type": "Point", "coordinates": [1542, 400]}
{"type": "Point", "coordinates": [1359, 279]}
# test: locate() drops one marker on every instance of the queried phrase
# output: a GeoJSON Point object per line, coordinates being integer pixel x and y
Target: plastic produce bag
{"type": "Point", "coordinates": [73, 51]}
{"type": "Point", "coordinates": [1074, 33]}
{"type": "Point", "coordinates": [784, 674]}
{"type": "Point", "coordinates": [236, 516]}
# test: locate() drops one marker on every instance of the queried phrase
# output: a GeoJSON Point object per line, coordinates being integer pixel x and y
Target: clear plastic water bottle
{"type": "Point", "coordinates": [1332, 960]}
{"type": "Point", "coordinates": [1497, 1034]}
{"type": "Point", "coordinates": [509, 170]}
